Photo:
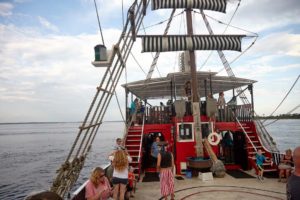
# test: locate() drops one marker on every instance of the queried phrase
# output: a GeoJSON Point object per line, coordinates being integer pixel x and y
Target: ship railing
{"type": "Point", "coordinates": [230, 112]}
{"type": "Point", "coordinates": [266, 139]}
{"type": "Point", "coordinates": [158, 114]}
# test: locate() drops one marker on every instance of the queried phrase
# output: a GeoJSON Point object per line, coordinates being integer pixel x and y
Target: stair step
{"type": "Point", "coordinates": [133, 140]}
{"type": "Point", "coordinates": [132, 145]}
{"type": "Point", "coordinates": [251, 147]}
{"type": "Point", "coordinates": [131, 150]}
{"type": "Point", "coordinates": [254, 141]}
{"type": "Point", "coordinates": [255, 152]}
{"type": "Point", "coordinates": [133, 135]}
{"type": "Point", "coordinates": [270, 170]}
{"type": "Point", "coordinates": [134, 162]}
{"type": "Point", "coordinates": [134, 131]}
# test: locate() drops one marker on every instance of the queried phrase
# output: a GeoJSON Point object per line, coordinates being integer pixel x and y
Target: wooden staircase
{"type": "Point", "coordinates": [253, 141]}
{"type": "Point", "coordinates": [133, 144]}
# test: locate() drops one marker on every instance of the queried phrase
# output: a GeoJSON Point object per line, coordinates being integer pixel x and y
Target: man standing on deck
{"type": "Point", "coordinates": [293, 184]}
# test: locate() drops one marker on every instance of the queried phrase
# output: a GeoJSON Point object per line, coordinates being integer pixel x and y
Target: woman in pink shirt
{"type": "Point", "coordinates": [98, 187]}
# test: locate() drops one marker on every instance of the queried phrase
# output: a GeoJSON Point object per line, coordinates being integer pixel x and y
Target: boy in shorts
{"type": "Point", "coordinates": [260, 159]}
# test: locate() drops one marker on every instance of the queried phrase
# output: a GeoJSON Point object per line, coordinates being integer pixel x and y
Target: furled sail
{"type": "Point", "coordinates": [215, 5]}
{"type": "Point", "coordinates": [159, 43]}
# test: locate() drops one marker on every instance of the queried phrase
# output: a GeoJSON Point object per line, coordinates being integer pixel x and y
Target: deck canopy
{"type": "Point", "coordinates": [160, 88]}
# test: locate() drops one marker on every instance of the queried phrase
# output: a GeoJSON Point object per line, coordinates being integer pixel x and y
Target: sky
{"type": "Point", "coordinates": [47, 49]}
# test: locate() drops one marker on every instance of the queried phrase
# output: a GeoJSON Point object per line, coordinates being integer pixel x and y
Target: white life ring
{"type": "Point", "coordinates": [211, 137]}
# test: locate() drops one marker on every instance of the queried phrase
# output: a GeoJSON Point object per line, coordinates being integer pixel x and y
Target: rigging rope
{"type": "Point", "coordinates": [137, 62]}
{"type": "Point", "coordinates": [119, 106]}
{"type": "Point", "coordinates": [222, 33]}
{"type": "Point", "coordinates": [285, 97]}
{"type": "Point", "coordinates": [236, 58]}
{"type": "Point", "coordinates": [123, 12]}
{"type": "Point", "coordinates": [254, 34]}
{"type": "Point", "coordinates": [99, 24]}
{"type": "Point", "coordinates": [161, 22]}
{"type": "Point", "coordinates": [286, 114]}
{"type": "Point", "coordinates": [151, 52]}
{"type": "Point", "coordinates": [154, 62]}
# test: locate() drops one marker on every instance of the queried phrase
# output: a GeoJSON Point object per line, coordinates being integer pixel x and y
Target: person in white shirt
{"type": "Point", "coordinates": [120, 162]}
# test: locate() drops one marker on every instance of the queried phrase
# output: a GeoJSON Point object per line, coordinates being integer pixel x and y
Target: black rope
{"type": "Point", "coordinates": [272, 122]}
{"type": "Point", "coordinates": [99, 24]}
{"type": "Point", "coordinates": [161, 22]}
{"type": "Point", "coordinates": [285, 96]}
{"type": "Point", "coordinates": [223, 33]}
{"type": "Point", "coordinates": [123, 13]}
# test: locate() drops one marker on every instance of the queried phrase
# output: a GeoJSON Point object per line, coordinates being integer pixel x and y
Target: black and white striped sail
{"type": "Point", "coordinates": [159, 43]}
{"type": "Point", "coordinates": [215, 5]}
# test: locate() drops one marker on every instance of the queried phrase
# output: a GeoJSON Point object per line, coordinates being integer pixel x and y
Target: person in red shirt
{"type": "Point", "coordinates": [131, 181]}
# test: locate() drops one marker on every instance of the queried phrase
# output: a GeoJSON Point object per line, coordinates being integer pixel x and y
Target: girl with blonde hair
{"type": "Point", "coordinates": [120, 162]}
{"type": "Point", "coordinates": [98, 186]}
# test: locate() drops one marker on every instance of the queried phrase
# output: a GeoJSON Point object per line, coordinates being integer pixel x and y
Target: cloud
{"type": "Point", "coordinates": [281, 43]}
{"type": "Point", "coordinates": [54, 71]}
{"type": "Point", "coordinates": [43, 75]}
{"type": "Point", "coordinates": [46, 24]}
{"type": "Point", "coordinates": [6, 9]}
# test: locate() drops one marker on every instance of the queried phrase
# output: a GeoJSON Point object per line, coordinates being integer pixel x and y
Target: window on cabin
{"type": "Point", "coordinates": [185, 132]}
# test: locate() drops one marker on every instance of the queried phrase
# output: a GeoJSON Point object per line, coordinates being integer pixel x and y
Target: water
{"type": "Point", "coordinates": [31, 153]}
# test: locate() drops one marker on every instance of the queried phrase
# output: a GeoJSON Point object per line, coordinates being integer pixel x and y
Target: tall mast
{"type": "Point", "coordinates": [195, 96]}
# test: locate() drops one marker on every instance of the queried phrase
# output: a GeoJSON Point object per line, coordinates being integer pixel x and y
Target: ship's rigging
{"type": "Point", "coordinates": [70, 169]}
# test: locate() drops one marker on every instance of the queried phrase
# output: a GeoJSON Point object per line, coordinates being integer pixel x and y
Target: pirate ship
{"type": "Point", "coordinates": [190, 122]}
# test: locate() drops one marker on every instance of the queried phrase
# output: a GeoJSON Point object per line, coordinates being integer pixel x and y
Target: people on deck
{"type": "Point", "coordinates": [165, 165]}
{"type": "Point", "coordinates": [285, 166]}
{"type": "Point", "coordinates": [211, 108]}
{"type": "Point", "coordinates": [221, 106]}
{"type": "Point", "coordinates": [188, 93]}
{"type": "Point", "coordinates": [260, 159]}
{"type": "Point", "coordinates": [98, 186]}
{"type": "Point", "coordinates": [131, 181]}
{"type": "Point", "coordinates": [155, 149]}
{"type": "Point", "coordinates": [133, 109]}
{"type": "Point", "coordinates": [188, 90]}
{"type": "Point", "coordinates": [293, 183]}
{"type": "Point", "coordinates": [120, 163]}
{"type": "Point", "coordinates": [227, 147]}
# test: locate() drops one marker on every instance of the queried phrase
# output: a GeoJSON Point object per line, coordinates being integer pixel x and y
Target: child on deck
{"type": "Point", "coordinates": [260, 159]}
{"type": "Point", "coordinates": [131, 180]}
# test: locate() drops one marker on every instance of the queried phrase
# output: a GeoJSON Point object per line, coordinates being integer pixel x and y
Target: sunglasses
{"type": "Point", "coordinates": [101, 176]}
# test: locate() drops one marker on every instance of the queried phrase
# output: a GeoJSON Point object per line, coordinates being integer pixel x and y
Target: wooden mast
{"type": "Point", "coordinates": [195, 96]}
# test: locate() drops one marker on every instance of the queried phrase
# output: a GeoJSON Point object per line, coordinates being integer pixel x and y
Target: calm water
{"type": "Point", "coordinates": [31, 153]}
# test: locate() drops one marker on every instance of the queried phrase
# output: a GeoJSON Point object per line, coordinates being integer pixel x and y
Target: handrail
{"type": "Point", "coordinates": [128, 125]}
{"type": "Point", "coordinates": [141, 144]}
{"type": "Point", "coordinates": [143, 125]}
{"type": "Point", "coordinates": [263, 133]}
{"type": "Point", "coordinates": [238, 121]}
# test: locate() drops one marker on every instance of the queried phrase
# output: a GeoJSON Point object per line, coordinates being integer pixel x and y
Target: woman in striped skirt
{"type": "Point", "coordinates": [165, 164]}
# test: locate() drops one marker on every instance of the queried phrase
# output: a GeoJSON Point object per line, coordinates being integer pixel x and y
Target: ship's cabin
{"type": "Point", "coordinates": [164, 110]}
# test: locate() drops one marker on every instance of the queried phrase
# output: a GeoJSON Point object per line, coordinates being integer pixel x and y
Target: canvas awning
{"type": "Point", "coordinates": [160, 88]}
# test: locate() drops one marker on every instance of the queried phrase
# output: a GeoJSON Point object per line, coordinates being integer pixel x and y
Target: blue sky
{"type": "Point", "coordinates": [47, 47]}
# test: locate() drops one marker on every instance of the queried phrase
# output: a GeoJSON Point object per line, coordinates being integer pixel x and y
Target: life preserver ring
{"type": "Point", "coordinates": [211, 138]}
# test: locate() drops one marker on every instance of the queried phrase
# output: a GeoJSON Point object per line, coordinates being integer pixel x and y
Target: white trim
{"type": "Point", "coordinates": [183, 140]}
